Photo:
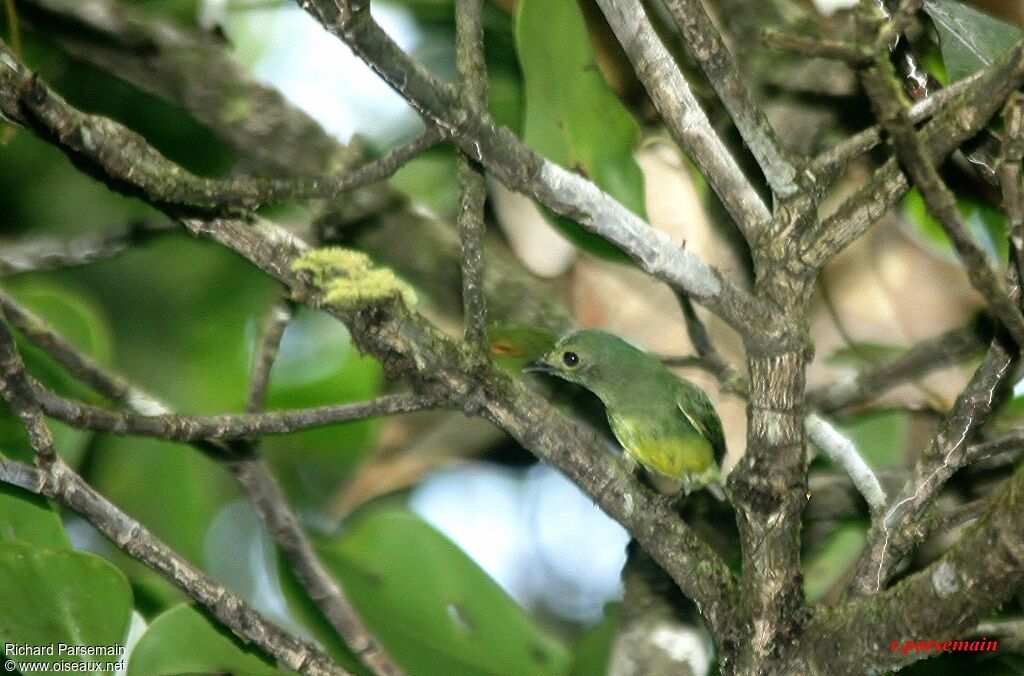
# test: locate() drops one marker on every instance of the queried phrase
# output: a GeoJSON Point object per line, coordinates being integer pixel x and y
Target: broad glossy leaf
{"type": "Point", "coordinates": [434, 609]}
{"type": "Point", "coordinates": [49, 597]}
{"type": "Point", "coordinates": [969, 38]}
{"type": "Point", "coordinates": [184, 640]}
{"type": "Point", "coordinates": [27, 517]}
{"type": "Point", "coordinates": [571, 116]}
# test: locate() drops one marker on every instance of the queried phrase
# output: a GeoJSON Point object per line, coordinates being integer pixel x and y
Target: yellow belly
{"type": "Point", "coordinates": [671, 457]}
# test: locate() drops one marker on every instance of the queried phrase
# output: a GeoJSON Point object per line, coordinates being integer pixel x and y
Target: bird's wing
{"type": "Point", "coordinates": [698, 409]}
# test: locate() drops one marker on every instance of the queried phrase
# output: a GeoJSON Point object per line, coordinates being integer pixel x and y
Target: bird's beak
{"type": "Point", "coordinates": [537, 366]}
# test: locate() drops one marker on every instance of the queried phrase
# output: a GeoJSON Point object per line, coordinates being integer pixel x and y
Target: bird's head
{"type": "Point", "coordinates": [587, 357]}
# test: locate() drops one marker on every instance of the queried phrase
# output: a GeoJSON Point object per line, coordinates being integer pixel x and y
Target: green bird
{"type": "Point", "coordinates": [664, 422]}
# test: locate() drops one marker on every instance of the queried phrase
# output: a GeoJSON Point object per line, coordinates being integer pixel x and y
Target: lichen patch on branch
{"type": "Point", "coordinates": [350, 281]}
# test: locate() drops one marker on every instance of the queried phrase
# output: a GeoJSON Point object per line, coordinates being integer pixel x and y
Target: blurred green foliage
{"type": "Point", "coordinates": [563, 89]}
{"type": "Point", "coordinates": [180, 317]}
{"type": "Point", "coordinates": [185, 640]}
{"type": "Point", "coordinates": [431, 606]}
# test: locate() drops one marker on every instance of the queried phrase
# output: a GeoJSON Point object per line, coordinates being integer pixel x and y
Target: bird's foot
{"type": "Point", "coordinates": [674, 502]}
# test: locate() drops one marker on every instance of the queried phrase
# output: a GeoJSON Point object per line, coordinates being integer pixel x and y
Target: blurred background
{"type": "Point", "coordinates": [430, 497]}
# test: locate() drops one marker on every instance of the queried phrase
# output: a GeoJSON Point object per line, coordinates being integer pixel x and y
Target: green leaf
{"type": "Point", "coordinates": [27, 517]}
{"type": "Point", "coordinates": [824, 567]}
{"type": "Point", "coordinates": [82, 323]}
{"type": "Point", "coordinates": [184, 640]}
{"type": "Point", "coordinates": [970, 39]}
{"type": "Point", "coordinates": [51, 597]}
{"type": "Point", "coordinates": [431, 179]}
{"type": "Point", "coordinates": [986, 223]}
{"type": "Point", "coordinates": [881, 437]}
{"type": "Point", "coordinates": [571, 116]}
{"type": "Point", "coordinates": [865, 354]}
{"type": "Point", "coordinates": [434, 609]}
{"type": "Point", "coordinates": [595, 647]}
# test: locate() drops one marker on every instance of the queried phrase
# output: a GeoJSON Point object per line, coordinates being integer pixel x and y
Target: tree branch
{"type": "Point", "coordinates": [57, 481]}
{"type": "Point", "coordinates": [964, 117]}
{"type": "Point", "coordinates": [881, 83]}
{"type": "Point", "coordinates": [710, 51]}
{"type": "Point", "coordinates": [472, 84]}
{"type": "Point", "coordinates": [258, 482]}
{"type": "Point", "coordinates": [1010, 177]}
{"type": "Point", "coordinates": [47, 253]}
{"type": "Point", "coordinates": [249, 470]}
{"type": "Point", "coordinates": [515, 165]}
{"type": "Point", "coordinates": [193, 71]}
{"type": "Point", "coordinates": [274, 325]}
{"type": "Point", "coordinates": [844, 453]}
{"type": "Point", "coordinates": [920, 359]}
{"type": "Point", "coordinates": [62, 484]}
{"type": "Point", "coordinates": [979, 572]}
{"type": "Point", "coordinates": [407, 344]}
{"type": "Point", "coordinates": [228, 426]}
{"type": "Point", "coordinates": [895, 534]}
{"type": "Point", "coordinates": [132, 165]}
{"type": "Point", "coordinates": [683, 116]}
{"type": "Point", "coordinates": [830, 163]}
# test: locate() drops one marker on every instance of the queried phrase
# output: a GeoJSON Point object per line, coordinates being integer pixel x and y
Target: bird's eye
{"type": "Point", "coordinates": [570, 359]}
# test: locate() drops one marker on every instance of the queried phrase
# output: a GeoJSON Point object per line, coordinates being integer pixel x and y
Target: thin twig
{"type": "Point", "coordinates": [47, 253]}
{"type": "Point", "coordinates": [949, 450]}
{"type": "Point", "coordinates": [262, 489]}
{"type": "Point", "coordinates": [139, 165]}
{"type": "Point", "coordinates": [247, 467]}
{"type": "Point", "coordinates": [683, 115]}
{"type": "Point", "coordinates": [16, 390]}
{"type": "Point", "coordinates": [510, 161]}
{"type": "Point", "coordinates": [258, 482]}
{"type": "Point", "coordinates": [962, 119]}
{"type": "Point", "coordinates": [59, 482]}
{"type": "Point", "coordinates": [80, 365]}
{"type": "Point", "coordinates": [950, 595]}
{"type": "Point", "coordinates": [62, 484]}
{"type": "Point", "coordinates": [880, 81]}
{"type": "Point", "coordinates": [472, 85]}
{"type": "Point", "coordinates": [828, 164]}
{"type": "Point", "coordinates": [844, 453]}
{"type": "Point", "coordinates": [274, 325]}
{"type": "Point", "coordinates": [1000, 451]}
{"type": "Point", "coordinates": [1012, 153]}
{"type": "Point", "coordinates": [807, 45]}
{"type": "Point", "coordinates": [918, 360]}
{"type": "Point", "coordinates": [228, 426]}
{"type": "Point", "coordinates": [711, 52]}
{"type": "Point", "coordinates": [727, 374]}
